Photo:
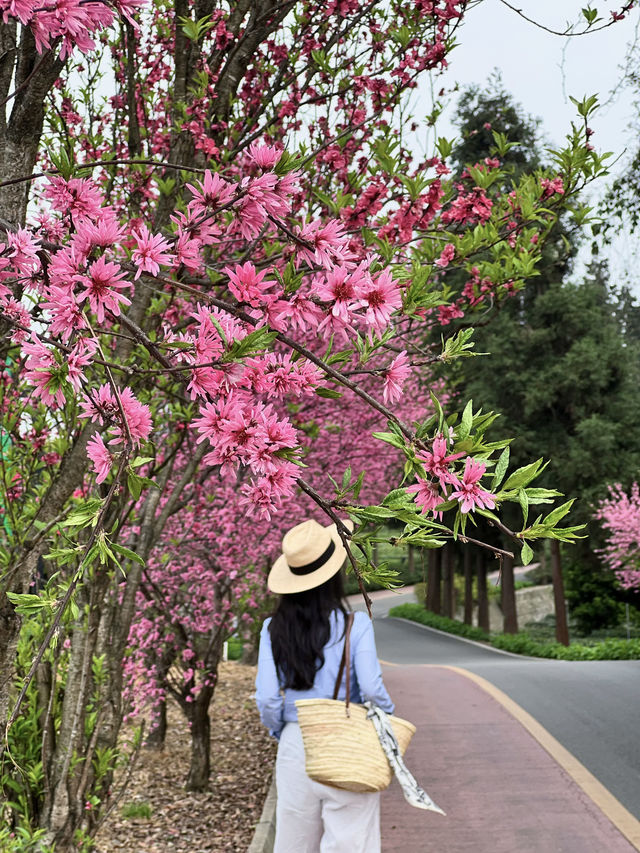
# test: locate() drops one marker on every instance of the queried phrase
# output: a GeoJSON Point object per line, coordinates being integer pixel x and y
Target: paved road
{"type": "Point", "coordinates": [591, 707]}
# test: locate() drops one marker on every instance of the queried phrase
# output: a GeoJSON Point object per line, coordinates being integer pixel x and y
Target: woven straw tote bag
{"type": "Point", "coordinates": [341, 746]}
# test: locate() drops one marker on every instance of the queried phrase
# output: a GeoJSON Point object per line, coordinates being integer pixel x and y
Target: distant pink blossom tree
{"type": "Point", "coordinates": [619, 514]}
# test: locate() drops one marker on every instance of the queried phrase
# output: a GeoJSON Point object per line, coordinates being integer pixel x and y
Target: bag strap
{"type": "Point", "coordinates": [345, 663]}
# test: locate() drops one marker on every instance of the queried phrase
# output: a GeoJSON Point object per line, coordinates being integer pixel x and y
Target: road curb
{"type": "Point", "coordinates": [265, 832]}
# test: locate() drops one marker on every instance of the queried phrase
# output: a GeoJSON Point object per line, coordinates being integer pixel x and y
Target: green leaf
{"type": "Point", "coordinates": [397, 497]}
{"type": "Point", "coordinates": [524, 504]}
{"type": "Point", "coordinates": [134, 484]}
{"type": "Point", "coordinates": [439, 411]}
{"type": "Point", "coordinates": [467, 420]}
{"type": "Point", "coordinates": [390, 438]}
{"type": "Point", "coordinates": [523, 476]}
{"type": "Point", "coordinates": [128, 553]}
{"type": "Point", "coordinates": [84, 515]}
{"type": "Point", "coordinates": [501, 469]}
{"type": "Point", "coordinates": [329, 393]}
{"type": "Point", "coordinates": [27, 604]}
{"type": "Point", "coordinates": [141, 460]}
{"type": "Point", "coordinates": [526, 555]}
{"type": "Point", "coordinates": [358, 485]}
{"type": "Point", "coordinates": [558, 513]}
{"type": "Point", "coordinates": [195, 30]}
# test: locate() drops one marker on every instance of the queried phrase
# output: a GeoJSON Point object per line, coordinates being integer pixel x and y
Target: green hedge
{"type": "Point", "coordinates": [523, 644]}
{"type": "Point", "coordinates": [417, 613]}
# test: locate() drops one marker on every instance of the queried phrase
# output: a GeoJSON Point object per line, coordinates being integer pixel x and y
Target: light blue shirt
{"type": "Point", "coordinates": [277, 706]}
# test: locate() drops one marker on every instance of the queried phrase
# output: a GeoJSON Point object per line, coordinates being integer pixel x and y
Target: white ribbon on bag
{"type": "Point", "coordinates": [413, 793]}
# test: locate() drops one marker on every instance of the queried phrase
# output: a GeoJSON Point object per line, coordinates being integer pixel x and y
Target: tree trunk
{"type": "Point", "coordinates": [447, 580]}
{"type": "Point", "coordinates": [509, 612]}
{"type": "Point", "coordinates": [20, 135]}
{"type": "Point", "coordinates": [483, 598]}
{"type": "Point", "coordinates": [468, 587]}
{"type": "Point", "coordinates": [562, 628]}
{"type": "Point", "coordinates": [200, 766]}
{"type": "Point", "coordinates": [158, 727]}
{"type": "Point", "coordinates": [433, 602]}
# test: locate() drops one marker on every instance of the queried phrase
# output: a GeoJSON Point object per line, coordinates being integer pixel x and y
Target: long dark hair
{"type": "Point", "coordinates": [300, 630]}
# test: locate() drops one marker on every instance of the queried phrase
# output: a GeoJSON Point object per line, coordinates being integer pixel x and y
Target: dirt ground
{"type": "Point", "coordinates": [223, 819]}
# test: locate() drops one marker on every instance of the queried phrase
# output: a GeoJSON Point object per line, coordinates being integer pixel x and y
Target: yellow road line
{"type": "Point", "coordinates": [628, 825]}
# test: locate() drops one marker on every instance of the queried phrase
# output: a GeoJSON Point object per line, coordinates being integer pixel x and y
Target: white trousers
{"type": "Point", "coordinates": [315, 818]}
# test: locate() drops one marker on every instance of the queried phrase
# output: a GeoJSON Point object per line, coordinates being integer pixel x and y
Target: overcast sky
{"type": "Point", "coordinates": [542, 70]}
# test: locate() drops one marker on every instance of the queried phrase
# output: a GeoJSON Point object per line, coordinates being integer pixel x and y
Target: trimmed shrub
{"type": "Point", "coordinates": [522, 644]}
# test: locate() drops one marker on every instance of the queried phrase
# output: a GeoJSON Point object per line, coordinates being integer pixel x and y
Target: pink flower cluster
{"type": "Point", "coordinates": [74, 22]}
{"type": "Point", "coordinates": [130, 420]}
{"type": "Point", "coordinates": [443, 483]}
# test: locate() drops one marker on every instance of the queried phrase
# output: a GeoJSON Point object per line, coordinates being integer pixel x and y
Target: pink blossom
{"type": "Point", "coordinates": [45, 372]}
{"type": "Point", "coordinates": [102, 406]}
{"type": "Point", "coordinates": [101, 285]}
{"type": "Point", "coordinates": [265, 156]}
{"type": "Point", "coordinates": [427, 495]}
{"type": "Point", "coordinates": [394, 378]}
{"type": "Point", "coordinates": [128, 8]}
{"type": "Point", "coordinates": [16, 312]}
{"type": "Point", "coordinates": [105, 232]}
{"type": "Point", "coordinates": [80, 357]}
{"type": "Point", "coordinates": [21, 9]}
{"type": "Point", "coordinates": [447, 313]}
{"type": "Point", "coordinates": [151, 251]}
{"type": "Point", "coordinates": [552, 187]}
{"type": "Point", "coordinates": [263, 197]}
{"type": "Point", "coordinates": [78, 197]}
{"type": "Point", "coordinates": [342, 289]}
{"type": "Point", "coordinates": [298, 312]}
{"type": "Point", "coordinates": [24, 257]}
{"type": "Point", "coordinates": [381, 298]}
{"type": "Point", "coordinates": [437, 461]}
{"type": "Point", "coordinates": [619, 513]}
{"type": "Point", "coordinates": [66, 313]}
{"type": "Point", "coordinates": [469, 494]}
{"type": "Point", "coordinates": [246, 284]}
{"type": "Point", "coordinates": [100, 456]}
{"type": "Point", "coordinates": [212, 193]}
{"type": "Point", "coordinates": [447, 255]}
{"type": "Point", "coordinates": [328, 244]}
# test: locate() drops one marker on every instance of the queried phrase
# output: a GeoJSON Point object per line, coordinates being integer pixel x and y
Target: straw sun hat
{"type": "Point", "coordinates": [311, 554]}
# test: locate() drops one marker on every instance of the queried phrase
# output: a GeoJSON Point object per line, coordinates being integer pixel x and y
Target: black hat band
{"type": "Point", "coordinates": [307, 568]}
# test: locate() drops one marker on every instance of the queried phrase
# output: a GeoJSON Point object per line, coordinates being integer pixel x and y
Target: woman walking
{"type": "Point", "coordinates": [300, 651]}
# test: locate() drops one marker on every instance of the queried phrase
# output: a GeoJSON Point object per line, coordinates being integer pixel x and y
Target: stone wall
{"type": "Point", "coordinates": [533, 603]}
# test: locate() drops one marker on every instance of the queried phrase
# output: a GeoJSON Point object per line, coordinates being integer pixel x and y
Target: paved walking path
{"type": "Point", "coordinates": [502, 791]}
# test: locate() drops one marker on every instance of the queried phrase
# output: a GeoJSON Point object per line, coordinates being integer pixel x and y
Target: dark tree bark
{"type": "Point", "coordinates": [509, 612]}
{"type": "Point", "coordinates": [483, 598]}
{"type": "Point", "coordinates": [448, 590]}
{"type": "Point", "coordinates": [562, 628]}
{"type": "Point", "coordinates": [158, 729]}
{"type": "Point", "coordinates": [20, 133]}
{"type": "Point", "coordinates": [433, 600]}
{"type": "Point", "coordinates": [200, 766]}
{"type": "Point", "coordinates": [468, 587]}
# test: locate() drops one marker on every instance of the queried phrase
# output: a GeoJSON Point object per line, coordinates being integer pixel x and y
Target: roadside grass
{"type": "Point", "coordinates": [612, 648]}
